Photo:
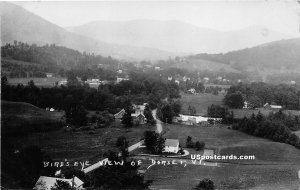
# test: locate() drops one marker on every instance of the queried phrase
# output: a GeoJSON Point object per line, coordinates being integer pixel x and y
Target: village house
{"type": "Point", "coordinates": [177, 82]}
{"type": "Point", "coordinates": [272, 107]}
{"type": "Point", "coordinates": [49, 75]}
{"type": "Point", "coordinates": [62, 82]}
{"type": "Point", "coordinates": [138, 115]}
{"type": "Point", "coordinates": [46, 183]}
{"type": "Point", "coordinates": [119, 79]}
{"type": "Point", "coordinates": [192, 90]}
{"type": "Point", "coordinates": [138, 119]}
{"type": "Point", "coordinates": [246, 105]}
{"type": "Point", "coordinates": [171, 146]}
{"type": "Point", "coordinates": [186, 78]}
{"type": "Point", "coordinates": [169, 78]}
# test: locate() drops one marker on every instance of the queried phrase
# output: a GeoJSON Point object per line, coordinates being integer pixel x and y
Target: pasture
{"type": "Point", "coordinates": [24, 117]}
{"type": "Point", "coordinates": [40, 82]}
{"type": "Point", "coordinates": [80, 145]}
{"type": "Point", "coordinates": [200, 101]}
{"type": "Point", "coordinates": [276, 164]}
{"type": "Point", "coordinates": [241, 113]}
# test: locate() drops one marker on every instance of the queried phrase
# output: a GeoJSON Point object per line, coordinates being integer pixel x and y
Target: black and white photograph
{"type": "Point", "coordinates": [150, 95]}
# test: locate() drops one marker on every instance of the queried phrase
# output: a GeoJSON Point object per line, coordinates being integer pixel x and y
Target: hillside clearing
{"type": "Point", "coordinates": [200, 101]}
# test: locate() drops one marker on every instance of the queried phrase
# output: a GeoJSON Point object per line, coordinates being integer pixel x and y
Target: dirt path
{"type": "Point", "coordinates": [158, 122]}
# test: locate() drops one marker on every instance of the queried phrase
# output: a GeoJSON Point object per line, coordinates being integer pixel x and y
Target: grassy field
{"type": "Point", "coordinates": [241, 113]}
{"type": "Point", "coordinates": [276, 164]}
{"type": "Point", "coordinates": [200, 101]}
{"type": "Point", "coordinates": [81, 145]}
{"type": "Point", "coordinates": [41, 82]}
{"type": "Point", "coordinates": [18, 116]}
{"type": "Point", "coordinates": [61, 144]}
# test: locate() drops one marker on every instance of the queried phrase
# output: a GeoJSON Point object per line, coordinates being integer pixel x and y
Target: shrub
{"type": "Point", "coordinates": [199, 145]}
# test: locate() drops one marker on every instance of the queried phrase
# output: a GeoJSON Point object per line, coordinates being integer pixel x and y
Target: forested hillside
{"type": "Point", "coordinates": [284, 54]}
{"type": "Point", "coordinates": [19, 58]}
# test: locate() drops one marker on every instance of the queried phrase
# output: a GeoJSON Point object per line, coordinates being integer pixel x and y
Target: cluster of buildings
{"type": "Point", "coordinates": [267, 106]}
{"type": "Point", "coordinates": [138, 115]}
{"type": "Point", "coordinates": [195, 120]}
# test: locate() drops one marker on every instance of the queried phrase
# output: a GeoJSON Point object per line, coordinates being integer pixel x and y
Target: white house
{"type": "Point", "coordinates": [121, 79]}
{"type": "Point", "coordinates": [172, 145]}
{"type": "Point", "coordinates": [46, 183]}
{"type": "Point", "coordinates": [269, 106]}
{"type": "Point", "coordinates": [62, 82]}
{"type": "Point", "coordinates": [49, 75]}
{"type": "Point", "coordinates": [246, 105]}
{"type": "Point", "coordinates": [157, 68]}
{"type": "Point", "coordinates": [192, 90]}
{"type": "Point", "coordinates": [169, 78]}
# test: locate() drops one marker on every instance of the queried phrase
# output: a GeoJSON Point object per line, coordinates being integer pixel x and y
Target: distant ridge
{"type": "Point", "coordinates": [22, 25]}
{"type": "Point", "coordinates": [176, 36]}
{"type": "Point", "coordinates": [282, 55]}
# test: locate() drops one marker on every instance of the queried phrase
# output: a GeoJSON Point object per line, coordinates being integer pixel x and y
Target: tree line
{"type": "Point", "coordinates": [277, 127]}
{"type": "Point", "coordinates": [257, 94]}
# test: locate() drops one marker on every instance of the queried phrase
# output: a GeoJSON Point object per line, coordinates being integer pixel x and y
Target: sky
{"type": "Point", "coordinates": [282, 16]}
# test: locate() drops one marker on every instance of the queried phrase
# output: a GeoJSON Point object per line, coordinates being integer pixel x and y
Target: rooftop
{"type": "Point", "coordinates": [172, 142]}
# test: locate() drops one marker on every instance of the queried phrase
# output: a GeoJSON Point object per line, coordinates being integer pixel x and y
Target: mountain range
{"type": "Point", "coordinates": [176, 36]}
{"type": "Point", "coordinates": [129, 40]}
{"type": "Point", "coordinates": [22, 25]}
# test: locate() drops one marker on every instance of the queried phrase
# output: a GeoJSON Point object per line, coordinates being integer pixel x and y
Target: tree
{"type": "Point", "coordinates": [61, 185]}
{"type": "Point", "coordinates": [166, 113]}
{"type": "Point", "coordinates": [154, 142]}
{"type": "Point", "coordinates": [116, 176]}
{"type": "Point", "coordinates": [72, 80]}
{"type": "Point", "coordinates": [205, 184]}
{"type": "Point", "coordinates": [127, 119]}
{"type": "Point", "coordinates": [199, 145]}
{"type": "Point", "coordinates": [192, 110]}
{"type": "Point", "coordinates": [189, 142]}
{"type": "Point", "coordinates": [234, 100]}
{"type": "Point", "coordinates": [255, 102]}
{"type": "Point", "coordinates": [148, 115]}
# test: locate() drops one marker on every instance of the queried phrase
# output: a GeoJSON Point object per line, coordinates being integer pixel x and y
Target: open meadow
{"type": "Point", "coordinates": [200, 101]}
{"type": "Point", "coordinates": [40, 82]}
{"type": "Point", "coordinates": [275, 165]}
{"type": "Point", "coordinates": [241, 113]}
{"type": "Point", "coordinates": [81, 145]}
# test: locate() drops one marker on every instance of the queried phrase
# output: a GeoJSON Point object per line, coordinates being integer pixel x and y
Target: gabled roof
{"type": "Point", "coordinates": [120, 112]}
{"type": "Point", "coordinates": [137, 115]}
{"type": "Point", "coordinates": [48, 182]}
{"type": "Point", "coordinates": [172, 142]}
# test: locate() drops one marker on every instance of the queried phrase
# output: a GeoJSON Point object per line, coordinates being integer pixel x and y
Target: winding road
{"type": "Point", "coordinates": [158, 122]}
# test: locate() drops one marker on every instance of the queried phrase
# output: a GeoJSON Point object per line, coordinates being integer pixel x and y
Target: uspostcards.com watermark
{"type": "Point", "coordinates": [222, 157]}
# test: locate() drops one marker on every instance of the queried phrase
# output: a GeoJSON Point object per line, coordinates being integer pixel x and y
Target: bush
{"type": "Point", "coordinates": [205, 184]}
{"type": "Point", "coordinates": [199, 145]}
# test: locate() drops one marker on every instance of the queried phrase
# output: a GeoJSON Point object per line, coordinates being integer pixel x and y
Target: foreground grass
{"type": "Point", "coordinates": [81, 145]}
{"type": "Point", "coordinates": [276, 165]}
{"type": "Point", "coordinates": [225, 177]}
